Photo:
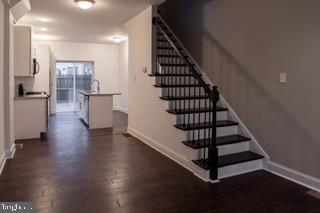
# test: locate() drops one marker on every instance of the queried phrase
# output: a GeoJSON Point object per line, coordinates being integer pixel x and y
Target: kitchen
{"type": "Point", "coordinates": [36, 62]}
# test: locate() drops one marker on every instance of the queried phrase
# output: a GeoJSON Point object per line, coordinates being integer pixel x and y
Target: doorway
{"type": "Point", "coordinates": [72, 77]}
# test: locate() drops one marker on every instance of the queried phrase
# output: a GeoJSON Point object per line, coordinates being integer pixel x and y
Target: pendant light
{"type": "Point", "coordinates": [85, 4]}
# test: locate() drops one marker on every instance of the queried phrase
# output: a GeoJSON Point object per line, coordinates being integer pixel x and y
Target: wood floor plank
{"type": "Point", "coordinates": [78, 170]}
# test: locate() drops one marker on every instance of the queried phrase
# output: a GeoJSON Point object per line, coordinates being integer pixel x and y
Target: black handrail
{"type": "Point", "coordinates": [213, 95]}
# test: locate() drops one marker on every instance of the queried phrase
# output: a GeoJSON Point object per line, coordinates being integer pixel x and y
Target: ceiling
{"type": "Point", "coordinates": [65, 21]}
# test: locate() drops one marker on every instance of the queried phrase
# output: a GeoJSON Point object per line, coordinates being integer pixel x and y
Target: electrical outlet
{"type": "Point", "coordinates": [283, 77]}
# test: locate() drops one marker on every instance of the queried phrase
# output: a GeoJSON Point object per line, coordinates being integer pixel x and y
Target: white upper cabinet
{"type": "Point", "coordinates": [23, 51]}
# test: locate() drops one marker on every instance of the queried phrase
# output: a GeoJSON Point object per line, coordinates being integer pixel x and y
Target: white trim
{"type": "Point", "coordinates": [10, 153]}
{"type": "Point", "coordinates": [165, 151]}
{"type": "Point", "coordinates": [7, 155]}
{"type": "Point", "coordinates": [121, 109]}
{"type": "Point", "coordinates": [2, 162]}
{"type": "Point", "coordinates": [293, 175]}
{"type": "Point", "coordinates": [240, 168]}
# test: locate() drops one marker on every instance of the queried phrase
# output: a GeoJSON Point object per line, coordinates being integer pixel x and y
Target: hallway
{"type": "Point", "coordinates": [77, 170]}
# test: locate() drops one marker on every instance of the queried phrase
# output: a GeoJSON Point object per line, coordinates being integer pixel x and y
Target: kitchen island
{"type": "Point", "coordinates": [96, 109]}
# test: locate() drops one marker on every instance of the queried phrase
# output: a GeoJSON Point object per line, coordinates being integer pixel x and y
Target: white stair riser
{"type": "Point", "coordinates": [175, 70]}
{"type": "Point", "coordinates": [239, 168]}
{"type": "Point", "coordinates": [221, 131]}
{"type": "Point", "coordinates": [193, 154]}
{"type": "Point", "coordinates": [165, 52]}
{"type": "Point", "coordinates": [229, 171]}
{"type": "Point", "coordinates": [204, 117]}
{"type": "Point", "coordinates": [182, 92]}
{"type": "Point", "coordinates": [189, 104]}
{"type": "Point", "coordinates": [167, 60]}
{"type": "Point", "coordinates": [176, 79]}
{"type": "Point", "coordinates": [227, 130]}
{"type": "Point", "coordinates": [234, 148]}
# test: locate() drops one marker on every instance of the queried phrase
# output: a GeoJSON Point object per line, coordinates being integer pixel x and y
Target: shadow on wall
{"type": "Point", "coordinates": [189, 14]}
{"type": "Point", "coordinates": [281, 132]}
{"type": "Point", "coordinates": [241, 90]}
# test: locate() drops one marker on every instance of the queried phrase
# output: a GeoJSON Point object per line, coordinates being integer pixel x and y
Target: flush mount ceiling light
{"type": "Point", "coordinates": [42, 19]}
{"type": "Point", "coordinates": [44, 37]}
{"type": "Point", "coordinates": [117, 39]}
{"type": "Point", "coordinates": [85, 4]}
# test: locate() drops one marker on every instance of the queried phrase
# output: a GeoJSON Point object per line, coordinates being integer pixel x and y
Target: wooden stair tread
{"type": "Point", "coordinates": [205, 125]}
{"type": "Point", "coordinates": [168, 48]}
{"type": "Point", "coordinates": [168, 56]}
{"type": "Point", "coordinates": [171, 75]}
{"type": "Point", "coordinates": [231, 159]}
{"type": "Point", "coordinates": [191, 111]}
{"type": "Point", "coordinates": [184, 98]}
{"type": "Point", "coordinates": [223, 140]}
{"type": "Point", "coordinates": [177, 85]}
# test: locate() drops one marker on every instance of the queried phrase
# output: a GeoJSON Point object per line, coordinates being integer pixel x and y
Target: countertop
{"type": "Point", "coordinates": [32, 97]}
{"type": "Point", "coordinates": [94, 93]}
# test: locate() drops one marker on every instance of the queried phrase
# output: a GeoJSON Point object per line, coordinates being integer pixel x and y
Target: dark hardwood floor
{"type": "Point", "coordinates": [77, 170]}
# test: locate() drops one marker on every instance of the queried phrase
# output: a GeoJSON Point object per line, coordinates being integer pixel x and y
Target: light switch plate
{"type": "Point", "coordinates": [145, 70]}
{"type": "Point", "coordinates": [283, 77]}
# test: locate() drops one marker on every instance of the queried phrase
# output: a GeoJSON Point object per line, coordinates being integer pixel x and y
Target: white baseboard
{"type": "Point", "coordinates": [293, 175]}
{"type": "Point", "coordinates": [7, 155]}
{"type": "Point", "coordinates": [2, 162]}
{"type": "Point", "coordinates": [121, 109]}
{"type": "Point", "coordinates": [163, 150]}
{"type": "Point", "coordinates": [10, 153]}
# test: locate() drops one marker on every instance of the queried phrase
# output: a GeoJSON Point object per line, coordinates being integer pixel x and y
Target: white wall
{"type": "Point", "coordinates": [2, 131]}
{"type": "Point", "coordinates": [148, 119]}
{"type": "Point", "coordinates": [105, 57]}
{"type": "Point", "coordinates": [123, 77]}
{"type": "Point", "coordinates": [10, 124]}
{"type": "Point", "coordinates": [8, 82]}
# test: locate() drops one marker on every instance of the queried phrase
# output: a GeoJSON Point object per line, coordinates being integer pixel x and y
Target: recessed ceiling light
{"type": "Point", "coordinates": [43, 37]}
{"type": "Point", "coordinates": [85, 4]}
{"type": "Point", "coordinates": [117, 39]}
{"type": "Point", "coordinates": [43, 29]}
{"type": "Point", "coordinates": [44, 19]}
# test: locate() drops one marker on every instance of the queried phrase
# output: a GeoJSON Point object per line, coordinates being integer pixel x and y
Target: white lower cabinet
{"type": "Point", "coordinates": [30, 117]}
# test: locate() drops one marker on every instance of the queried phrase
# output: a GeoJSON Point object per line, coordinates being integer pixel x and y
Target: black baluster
{"type": "Point", "coordinates": [180, 81]}
{"type": "Point", "coordinates": [175, 82]}
{"type": "Point", "coordinates": [205, 121]}
{"type": "Point", "coordinates": [167, 67]}
{"type": "Point", "coordinates": [213, 151]}
{"type": "Point", "coordinates": [184, 93]}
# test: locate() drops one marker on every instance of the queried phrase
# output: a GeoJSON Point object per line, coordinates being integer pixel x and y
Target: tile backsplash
{"type": "Point", "coordinates": [26, 81]}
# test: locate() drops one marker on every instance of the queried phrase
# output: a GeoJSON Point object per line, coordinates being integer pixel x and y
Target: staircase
{"type": "Point", "coordinates": [218, 148]}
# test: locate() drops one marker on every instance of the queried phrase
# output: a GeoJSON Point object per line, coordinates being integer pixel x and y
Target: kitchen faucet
{"type": "Point", "coordinates": [98, 87]}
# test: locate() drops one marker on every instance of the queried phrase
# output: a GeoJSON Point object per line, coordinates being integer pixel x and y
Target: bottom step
{"type": "Point", "coordinates": [226, 160]}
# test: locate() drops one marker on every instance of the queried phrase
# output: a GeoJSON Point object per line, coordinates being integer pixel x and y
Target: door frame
{"type": "Point", "coordinates": [72, 62]}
